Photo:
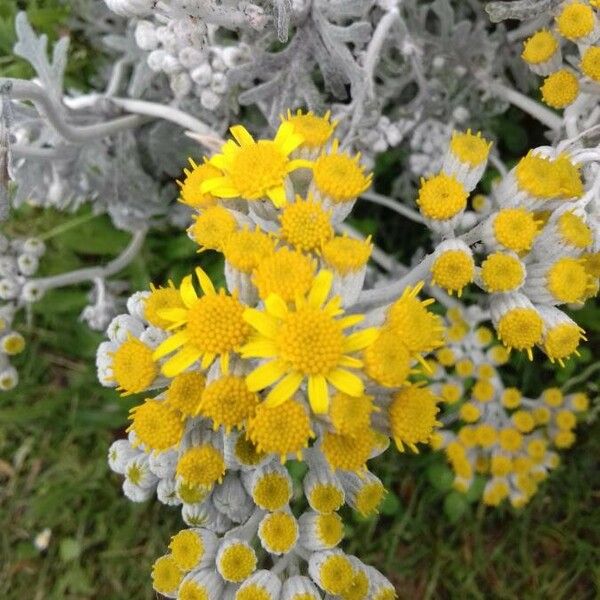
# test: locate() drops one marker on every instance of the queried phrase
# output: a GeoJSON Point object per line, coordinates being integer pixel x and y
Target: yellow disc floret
{"type": "Point", "coordinates": [272, 491]}
{"type": "Point", "coordinates": [347, 452]}
{"type": "Point", "coordinates": [13, 343]}
{"type": "Point", "coordinates": [515, 228]}
{"type": "Point", "coordinates": [441, 197]}
{"type": "Point", "coordinates": [574, 231]}
{"type": "Point", "coordinates": [330, 529]}
{"type": "Point", "coordinates": [387, 360]}
{"type": "Point", "coordinates": [562, 340]}
{"type": "Point", "coordinates": [187, 549]}
{"type": "Point", "coordinates": [413, 416]}
{"type": "Point", "coordinates": [539, 48]}
{"type": "Point", "coordinates": [156, 425]}
{"type": "Point", "coordinates": [133, 367]}
{"type": "Point", "coordinates": [502, 273]}
{"type": "Point", "coordinates": [314, 130]}
{"type": "Point", "coordinates": [575, 21]}
{"type": "Point", "coordinates": [278, 532]}
{"type": "Point", "coordinates": [338, 176]}
{"type": "Point", "coordinates": [590, 63]}
{"type": "Point", "coordinates": [305, 224]}
{"type": "Point", "coordinates": [212, 228]}
{"type": "Point", "coordinates": [228, 402]}
{"type": "Point", "coordinates": [369, 498]}
{"type": "Point", "coordinates": [160, 299]}
{"type": "Point", "coordinates": [453, 270]}
{"type": "Point", "coordinates": [245, 249]}
{"type": "Point", "coordinates": [560, 89]}
{"type": "Point", "coordinates": [520, 328]}
{"type": "Point", "coordinates": [266, 426]}
{"type": "Point", "coordinates": [201, 466]}
{"type": "Point", "coordinates": [567, 280]}
{"type": "Point", "coordinates": [350, 415]}
{"type": "Point", "coordinates": [346, 255]}
{"type": "Point", "coordinates": [336, 574]}
{"type": "Point", "coordinates": [185, 392]}
{"type": "Point", "coordinates": [470, 148]}
{"type": "Point", "coordinates": [166, 575]}
{"type": "Point", "coordinates": [236, 562]}
{"type": "Point", "coordinates": [286, 273]}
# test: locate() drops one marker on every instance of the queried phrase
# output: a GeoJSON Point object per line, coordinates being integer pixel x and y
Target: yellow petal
{"type": "Point", "coordinates": [187, 291]}
{"type": "Point", "coordinates": [261, 321]}
{"type": "Point", "coordinates": [265, 375]}
{"type": "Point", "coordinates": [216, 182]}
{"type": "Point", "coordinates": [259, 348]}
{"type": "Point", "coordinates": [320, 288]}
{"type": "Point", "coordinates": [350, 321]}
{"type": "Point", "coordinates": [180, 362]}
{"type": "Point", "coordinates": [225, 363]}
{"type": "Point", "coordinates": [176, 315]}
{"type": "Point", "coordinates": [299, 163]}
{"type": "Point", "coordinates": [346, 382]}
{"type": "Point", "coordinates": [207, 359]}
{"type": "Point", "coordinates": [318, 394]}
{"type": "Point", "coordinates": [205, 283]}
{"type": "Point", "coordinates": [276, 306]}
{"type": "Point", "coordinates": [277, 196]}
{"type": "Point", "coordinates": [171, 343]}
{"type": "Point", "coordinates": [225, 191]}
{"type": "Point", "coordinates": [241, 135]}
{"type": "Point", "coordinates": [284, 390]}
{"type": "Point", "coordinates": [350, 361]}
{"type": "Point", "coordinates": [361, 339]}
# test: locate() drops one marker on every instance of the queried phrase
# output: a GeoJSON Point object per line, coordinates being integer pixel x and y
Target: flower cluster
{"type": "Point", "coordinates": [19, 260]}
{"type": "Point", "coordinates": [576, 24]}
{"type": "Point", "coordinates": [492, 430]}
{"type": "Point", "coordinates": [538, 235]}
{"type": "Point", "coordinates": [278, 367]}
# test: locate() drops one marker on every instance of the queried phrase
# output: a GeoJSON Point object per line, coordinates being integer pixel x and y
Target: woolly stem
{"type": "Point", "coordinates": [398, 207]}
{"type": "Point", "coordinates": [92, 273]}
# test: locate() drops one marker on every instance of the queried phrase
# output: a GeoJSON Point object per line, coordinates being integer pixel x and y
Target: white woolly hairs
{"type": "Point", "coordinates": [131, 8]}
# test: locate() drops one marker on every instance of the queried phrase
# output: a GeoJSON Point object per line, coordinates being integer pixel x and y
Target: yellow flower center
{"type": "Point", "coordinates": [441, 197]}
{"type": "Point", "coordinates": [502, 273]}
{"type": "Point", "coordinates": [330, 529]}
{"type": "Point", "coordinates": [580, 402]}
{"type": "Point", "coordinates": [185, 392]}
{"type": "Point", "coordinates": [133, 367]}
{"type": "Point", "coordinates": [576, 21]}
{"type": "Point", "coordinates": [485, 435]}
{"type": "Point", "coordinates": [246, 452]}
{"type": "Point", "coordinates": [523, 421]}
{"type": "Point", "coordinates": [592, 263]}
{"type": "Point", "coordinates": [279, 532]}
{"type": "Point", "coordinates": [325, 497]}
{"type": "Point", "coordinates": [215, 324]}
{"type": "Point", "coordinates": [562, 341]}
{"type": "Point", "coordinates": [257, 168]}
{"type": "Point", "coordinates": [510, 439]}
{"type": "Point", "coordinates": [346, 255]}
{"type": "Point", "coordinates": [452, 270]}
{"type": "Point", "coordinates": [212, 228]}
{"type": "Point", "coordinates": [201, 466]}
{"type": "Point", "coordinates": [565, 419]}
{"type": "Point", "coordinates": [190, 590]}
{"type": "Point", "coordinates": [387, 360]}
{"type": "Point", "coordinates": [484, 335]}
{"type": "Point", "coordinates": [350, 415]}
{"type": "Point", "coordinates": [310, 341]}
{"type": "Point", "coordinates": [340, 177]}
{"type": "Point", "coordinates": [560, 89]}
{"type": "Point", "coordinates": [464, 367]}
{"type": "Point", "coordinates": [567, 280]}
{"type": "Point", "coordinates": [450, 393]}
{"type": "Point", "coordinates": [469, 413]}
{"type": "Point", "coordinates": [574, 230]}
{"type": "Point", "coordinates": [228, 402]}
{"type": "Point", "coordinates": [13, 343]}
{"type": "Point", "coordinates": [166, 575]}
{"type": "Point", "coordinates": [520, 328]}
{"type": "Point", "coordinates": [515, 228]}
{"type": "Point", "coordinates": [412, 416]}
{"type": "Point", "coordinates": [272, 491]}
{"type": "Point", "coordinates": [539, 48]}
{"type": "Point", "coordinates": [305, 225]}
{"type": "Point", "coordinates": [191, 494]}
{"type": "Point", "coordinates": [336, 574]}
{"type": "Point", "coordinates": [590, 63]}
{"type": "Point", "coordinates": [265, 428]}
{"type": "Point", "coordinates": [369, 497]}
{"type": "Point", "coordinates": [359, 588]}
{"type": "Point", "coordinates": [483, 390]}
{"type": "Point", "coordinates": [160, 299]}
{"type": "Point", "coordinates": [245, 250]}
{"type": "Point", "coordinates": [346, 452]}
{"type": "Point", "coordinates": [315, 130]}
{"type": "Point", "coordinates": [253, 592]}
{"type": "Point", "coordinates": [511, 398]}
{"type": "Point", "coordinates": [553, 397]}
{"type": "Point", "coordinates": [156, 425]}
{"type": "Point", "coordinates": [190, 186]}
{"type": "Point", "coordinates": [187, 549]}
{"type": "Point", "coordinates": [237, 562]}
{"type": "Point", "coordinates": [470, 148]}
{"type": "Point", "coordinates": [286, 273]}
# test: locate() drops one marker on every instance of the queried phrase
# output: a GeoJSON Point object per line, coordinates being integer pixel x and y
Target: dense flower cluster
{"type": "Point", "coordinates": [493, 430]}
{"type": "Point", "coordinates": [571, 25]}
{"type": "Point", "coordinates": [277, 367]}
{"type": "Point", "coordinates": [538, 238]}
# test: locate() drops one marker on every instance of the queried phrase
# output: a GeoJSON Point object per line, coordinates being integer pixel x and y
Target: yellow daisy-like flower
{"type": "Point", "coordinates": [209, 326]}
{"type": "Point", "coordinates": [159, 299]}
{"type": "Point", "coordinates": [314, 130]}
{"type": "Point", "coordinates": [255, 170]}
{"type": "Point", "coordinates": [306, 343]}
{"type": "Point", "coordinates": [190, 192]}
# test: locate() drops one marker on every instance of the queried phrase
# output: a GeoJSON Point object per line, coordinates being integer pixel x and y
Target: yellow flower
{"type": "Point", "coordinates": [190, 192]}
{"type": "Point", "coordinates": [253, 170]}
{"type": "Point", "coordinates": [314, 130]}
{"type": "Point", "coordinates": [209, 326]}
{"type": "Point", "coordinates": [305, 343]}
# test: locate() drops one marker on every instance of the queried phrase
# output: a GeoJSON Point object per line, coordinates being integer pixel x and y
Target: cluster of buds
{"type": "Point", "coordinates": [278, 367]}
{"type": "Point", "coordinates": [576, 24]}
{"type": "Point", "coordinates": [19, 260]}
{"type": "Point", "coordinates": [492, 430]}
{"type": "Point", "coordinates": [538, 235]}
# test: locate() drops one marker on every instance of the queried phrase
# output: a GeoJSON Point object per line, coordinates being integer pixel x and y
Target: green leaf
{"type": "Point", "coordinates": [391, 505]}
{"type": "Point", "coordinates": [69, 549]}
{"type": "Point", "coordinates": [475, 492]}
{"type": "Point", "coordinates": [440, 476]}
{"type": "Point", "coordinates": [455, 506]}
{"type": "Point", "coordinates": [97, 237]}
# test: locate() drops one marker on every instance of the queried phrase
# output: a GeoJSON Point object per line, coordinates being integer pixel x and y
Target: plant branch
{"type": "Point", "coordinates": [394, 205]}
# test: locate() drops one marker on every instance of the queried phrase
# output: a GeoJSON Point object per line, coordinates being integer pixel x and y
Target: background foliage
{"type": "Point", "coordinates": [57, 426]}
